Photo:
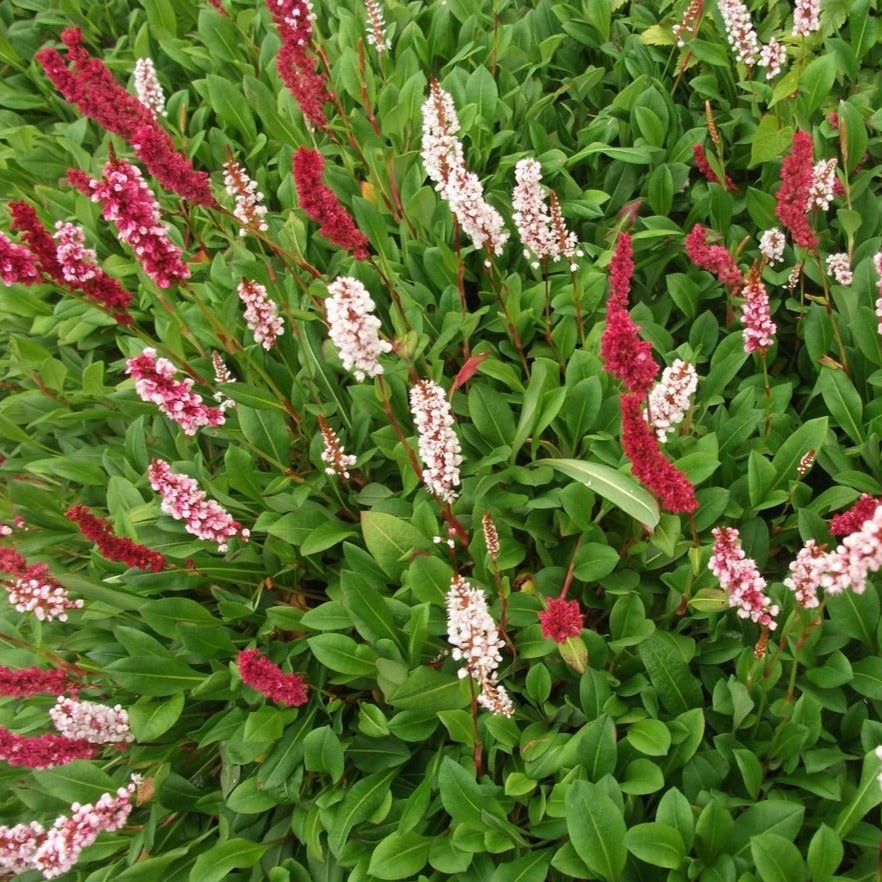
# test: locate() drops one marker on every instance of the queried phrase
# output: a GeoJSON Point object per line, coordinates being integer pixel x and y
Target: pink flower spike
{"type": "Point", "coordinates": [759, 329]}
{"type": "Point", "coordinates": [32, 588]}
{"type": "Point", "coordinates": [806, 573]}
{"type": "Point", "coordinates": [806, 17]}
{"type": "Point", "coordinates": [258, 672]}
{"type": "Point", "coordinates": [561, 620]}
{"type": "Point", "coordinates": [130, 205]}
{"type": "Point", "coordinates": [261, 314]}
{"type": "Point", "coordinates": [17, 264]}
{"type": "Point", "coordinates": [155, 384]}
{"type": "Point", "coordinates": [739, 30]}
{"type": "Point", "coordinates": [184, 501]}
{"type": "Point", "coordinates": [738, 574]}
{"type": "Point", "coordinates": [42, 751]}
{"type": "Point", "coordinates": [91, 722]}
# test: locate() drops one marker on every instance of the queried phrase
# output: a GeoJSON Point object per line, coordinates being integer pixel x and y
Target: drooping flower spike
{"type": "Point", "coordinates": [113, 547]}
{"type": "Point", "coordinates": [258, 672]}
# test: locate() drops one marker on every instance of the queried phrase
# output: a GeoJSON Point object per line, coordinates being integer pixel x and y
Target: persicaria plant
{"type": "Point", "coordinates": [440, 441]}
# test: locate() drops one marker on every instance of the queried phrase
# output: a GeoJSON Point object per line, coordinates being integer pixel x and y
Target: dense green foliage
{"type": "Point", "coordinates": [675, 753]}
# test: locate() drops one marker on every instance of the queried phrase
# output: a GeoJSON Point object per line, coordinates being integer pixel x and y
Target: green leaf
{"type": "Point", "coordinates": [462, 797]}
{"type": "Point", "coordinates": [769, 140]}
{"type": "Point", "coordinates": [677, 687]}
{"type": "Point", "coordinates": [621, 490]}
{"type": "Point", "coordinates": [429, 690]}
{"type": "Point", "coordinates": [597, 830]}
{"type": "Point", "coordinates": [776, 858]}
{"type": "Point", "coordinates": [154, 676]}
{"type": "Point", "coordinates": [400, 856]}
{"type": "Point", "coordinates": [651, 737]}
{"type": "Point", "coordinates": [323, 752]}
{"type": "Point", "coordinates": [597, 751]}
{"type": "Point", "coordinates": [530, 868]}
{"type": "Point", "coordinates": [150, 719]}
{"type": "Point", "coordinates": [825, 853]}
{"type": "Point", "coordinates": [165, 615]}
{"type": "Point", "coordinates": [491, 415]}
{"type": "Point", "coordinates": [867, 679]}
{"type": "Point", "coordinates": [656, 844]}
{"type": "Point", "coordinates": [816, 83]}
{"type": "Point", "coordinates": [218, 862]}
{"type": "Point", "coordinates": [368, 609]}
{"type": "Point", "coordinates": [867, 796]}
{"type": "Point", "coordinates": [342, 654]}
{"type": "Point", "coordinates": [360, 802]}
{"type": "Point", "coordinates": [809, 436]}
{"type": "Point", "coordinates": [391, 541]}
{"type": "Point", "coordinates": [267, 430]}
{"type": "Point", "coordinates": [843, 402]}
{"type": "Point", "coordinates": [229, 104]}
{"type": "Point", "coordinates": [78, 781]}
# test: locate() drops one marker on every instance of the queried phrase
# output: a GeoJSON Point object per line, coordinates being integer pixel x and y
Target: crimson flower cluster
{"type": "Point", "coordinates": [27, 682]}
{"type": "Point", "coordinates": [321, 204]}
{"type": "Point", "coordinates": [43, 751]}
{"type": "Point", "coordinates": [701, 163]}
{"type": "Point", "coordinates": [51, 258]}
{"type": "Point", "coordinates": [630, 359]}
{"type": "Point", "coordinates": [258, 672]}
{"type": "Point", "coordinates": [713, 258]}
{"type": "Point", "coordinates": [296, 60]}
{"type": "Point", "coordinates": [792, 198]}
{"type": "Point", "coordinates": [853, 519]}
{"type": "Point", "coordinates": [31, 588]}
{"type": "Point", "coordinates": [87, 82]}
{"type": "Point", "coordinates": [561, 620]}
{"type": "Point", "coordinates": [113, 547]}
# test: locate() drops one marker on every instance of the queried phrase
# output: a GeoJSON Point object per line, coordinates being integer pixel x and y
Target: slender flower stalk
{"type": "Point", "coordinates": [353, 327]}
{"type": "Point", "coordinates": [491, 537]}
{"type": "Point", "coordinates": [476, 641]}
{"type": "Point", "coordinates": [113, 547]}
{"type": "Point", "coordinates": [688, 25]}
{"type": "Point", "coordinates": [738, 574]}
{"type": "Point", "coordinates": [321, 204]}
{"type": "Point", "coordinates": [258, 672]}
{"type": "Point", "coordinates": [250, 209]}
{"type": "Point", "coordinates": [649, 465]}
{"type": "Point", "coordinates": [147, 87]}
{"type": "Point", "coordinates": [759, 329]}
{"type": "Point", "coordinates": [261, 313]}
{"type": "Point", "coordinates": [297, 59]}
{"type": "Point", "coordinates": [27, 682]}
{"type": "Point", "coordinates": [89, 84]}
{"type": "Point", "coordinates": [184, 501]}
{"type": "Point", "coordinates": [671, 398]}
{"type": "Point", "coordinates": [155, 383]}
{"type": "Point", "coordinates": [128, 203]}
{"type": "Point", "coordinates": [442, 156]}
{"type": "Point", "coordinates": [792, 198]}
{"type": "Point", "coordinates": [439, 446]}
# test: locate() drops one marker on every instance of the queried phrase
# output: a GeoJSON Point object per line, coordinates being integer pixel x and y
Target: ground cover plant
{"type": "Point", "coordinates": [440, 440]}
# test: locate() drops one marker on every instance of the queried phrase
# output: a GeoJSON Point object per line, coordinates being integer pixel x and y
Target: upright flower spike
{"type": "Point", "coordinates": [773, 57]}
{"type": "Point", "coordinates": [806, 17]}
{"type": "Point", "coordinates": [113, 547]}
{"type": "Point", "coordinates": [772, 244]}
{"type": "Point", "coordinates": [476, 641]}
{"type": "Point", "coordinates": [688, 25]}
{"type": "Point", "coordinates": [877, 265]}
{"type": "Point", "coordinates": [442, 156]}
{"type": "Point", "coordinates": [258, 672]}
{"type": "Point", "coordinates": [738, 574]}
{"type": "Point", "coordinates": [334, 454]}
{"type": "Point", "coordinates": [739, 30]}
{"type": "Point", "coordinates": [376, 31]}
{"type": "Point", "coordinates": [128, 203]}
{"type": "Point", "coordinates": [440, 450]}
{"type": "Point", "coordinates": [839, 266]}
{"type": "Point", "coordinates": [297, 60]}
{"type": "Point", "coordinates": [77, 262]}
{"type": "Point", "coordinates": [649, 465]}
{"type": "Point", "coordinates": [792, 198]}
{"type": "Point", "coordinates": [625, 355]}
{"type": "Point", "coordinates": [250, 209]}
{"type": "Point", "coordinates": [155, 383]}
{"type": "Point", "coordinates": [713, 258]}
{"type": "Point", "coordinates": [89, 84]}
{"type": "Point", "coordinates": [823, 185]}
{"type": "Point", "coordinates": [184, 501]}
{"type": "Point", "coordinates": [147, 87]}
{"type": "Point", "coordinates": [321, 204]}
{"type": "Point", "coordinates": [261, 313]}
{"type": "Point", "coordinates": [491, 537]}
{"type": "Point", "coordinates": [759, 329]}
{"type": "Point", "coordinates": [671, 397]}
{"type": "Point", "coordinates": [806, 573]}
{"type": "Point", "coordinates": [353, 327]}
